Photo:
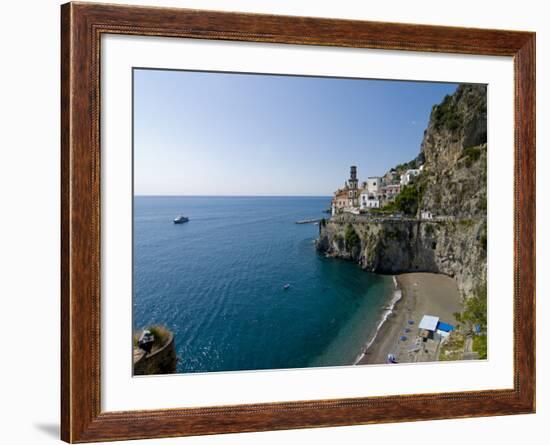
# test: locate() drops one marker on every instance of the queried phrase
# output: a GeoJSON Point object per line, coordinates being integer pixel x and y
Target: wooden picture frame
{"type": "Point", "coordinates": [82, 25]}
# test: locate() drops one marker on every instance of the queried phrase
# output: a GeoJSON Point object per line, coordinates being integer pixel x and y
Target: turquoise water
{"type": "Point", "coordinates": [217, 283]}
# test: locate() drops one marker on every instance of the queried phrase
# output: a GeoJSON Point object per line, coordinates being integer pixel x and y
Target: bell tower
{"type": "Point", "coordinates": [353, 177]}
{"type": "Point", "coordinates": [353, 192]}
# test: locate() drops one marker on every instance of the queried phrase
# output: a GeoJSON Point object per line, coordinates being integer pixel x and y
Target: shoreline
{"type": "Point", "coordinates": [415, 295]}
{"type": "Point", "coordinates": [397, 295]}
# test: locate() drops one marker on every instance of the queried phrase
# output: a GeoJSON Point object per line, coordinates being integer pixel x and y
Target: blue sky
{"type": "Point", "coordinates": [201, 133]}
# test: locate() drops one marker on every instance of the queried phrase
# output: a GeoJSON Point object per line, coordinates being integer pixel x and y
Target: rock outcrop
{"type": "Point", "coordinates": [452, 187]}
{"type": "Point", "coordinates": [161, 360]}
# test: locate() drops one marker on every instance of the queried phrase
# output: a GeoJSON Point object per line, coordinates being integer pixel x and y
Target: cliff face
{"type": "Point", "coordinates": [452, 186]}
{"type": "Point", "coordinates": [455, 248]}
{"type": "Point", "coordinates": [455, 152]}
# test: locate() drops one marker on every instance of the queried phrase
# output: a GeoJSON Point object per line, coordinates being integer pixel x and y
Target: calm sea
{"type": "Point", "coordinates": [217, 283]}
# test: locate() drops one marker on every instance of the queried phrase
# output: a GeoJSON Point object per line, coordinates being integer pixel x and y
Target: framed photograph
{"type": "Point", "coordinates": [274, 222]}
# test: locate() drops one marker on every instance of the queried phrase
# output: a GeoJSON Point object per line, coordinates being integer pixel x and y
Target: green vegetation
{"type": "Point", "coordinates": [409, 199]}
{"type": "Point", "coordinates": [445, 114]}
{"type": "Point", "coordinates": [453, 347]}
{"type": "Point", "coordinates": [475, 312]}
{"type": "Point", "coordinates": [453, 122]}
{"type": "Point", "coordinates": [470, 155]}
{"type": "Point", "coordinates": [161, 334]}
{"type": "Point", "coordinates": [479, 345]}
{"type": "Point", "coordinates": [351, 238]}
{"type": "Point", "coordinates": [405, 166]}
{"type": "Point", "coordinates": [389, 208]}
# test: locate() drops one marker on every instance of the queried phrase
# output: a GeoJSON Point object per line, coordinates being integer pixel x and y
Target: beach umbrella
{"type": "Point", "coordinates": [403, 338]}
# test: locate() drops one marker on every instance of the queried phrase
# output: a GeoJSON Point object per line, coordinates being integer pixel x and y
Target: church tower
{"type": "Point", "coordinates": [353, 177]}
{"type": "Point", "coordinates": [353, 194]}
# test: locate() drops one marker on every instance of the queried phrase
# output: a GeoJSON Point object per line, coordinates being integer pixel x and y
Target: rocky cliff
{"type": "Point", "coordinates": [454, 149]}
{"type": "Point", "coordinates": [452, 186]}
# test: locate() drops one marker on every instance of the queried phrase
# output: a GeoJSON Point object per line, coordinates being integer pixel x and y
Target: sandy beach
{"type": "Point", "coordinates": [422, 294]}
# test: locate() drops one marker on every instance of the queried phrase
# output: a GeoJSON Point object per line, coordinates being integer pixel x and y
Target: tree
{"type": "Point", "coordinates": [408, 199]}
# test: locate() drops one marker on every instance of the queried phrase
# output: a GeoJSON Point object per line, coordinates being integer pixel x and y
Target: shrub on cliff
{"type": "Point", "coordinates": [475, 312]}
{"type": "Point", "coordinates": [446, 114]}
{"type": "Point", "coordinates": [470, 155]}
{"type": "Point", "coordinates": [351, 238]}
{"type": "Point", "coordinates": [479, 345]}
{"type": "Point", "coordinates": [161, 333]}
{"type": "Point", "coordinates": [400, 168]}
{"type": "Point", "coordinates": [409, 199]}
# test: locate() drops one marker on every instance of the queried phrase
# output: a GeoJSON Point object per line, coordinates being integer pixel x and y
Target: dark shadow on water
{"type": "Point", "coordinates": [49, 429]}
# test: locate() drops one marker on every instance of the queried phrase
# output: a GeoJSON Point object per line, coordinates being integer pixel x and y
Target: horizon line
{"type": "Point", "coordinates": [229, 196]}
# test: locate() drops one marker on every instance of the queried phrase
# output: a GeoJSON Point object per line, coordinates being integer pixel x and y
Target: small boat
{"type": "Point", "coordinates": [286, 286]}
{"type": "Point", "coordinates": [181, 219]}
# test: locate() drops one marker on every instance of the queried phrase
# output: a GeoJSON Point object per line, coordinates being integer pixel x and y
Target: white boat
{"type": "Point", "coordinates": [181, 219]}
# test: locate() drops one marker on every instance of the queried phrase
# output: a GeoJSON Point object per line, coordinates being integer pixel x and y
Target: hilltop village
{"type": "Point", "coordinates": [428, 214]}
{"type": "Point", "coordinates": [377, 192]}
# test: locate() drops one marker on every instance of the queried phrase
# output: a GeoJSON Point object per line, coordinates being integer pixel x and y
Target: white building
{"type": "Point", "coordinates": [373, 202]}
{"type": "Point", "coordinates": [426, 214]}
{"type": "Point", "coordinates": [368, 200]}
{"type": "Point", "coordinates": [373, 185]}
{"type": "Point", "coordinates": [409, 175]}
{"type": "Point", "coordinates": [428, 323]}
{"type": "Point", "coordinates": [435, 327]}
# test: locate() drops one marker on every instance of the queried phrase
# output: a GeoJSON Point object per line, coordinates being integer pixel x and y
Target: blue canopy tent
{"type": "Point", "coordinates": [445, 327]}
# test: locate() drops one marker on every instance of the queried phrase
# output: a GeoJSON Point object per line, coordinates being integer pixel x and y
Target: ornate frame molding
{"type": "Point", "coordinates": [82, 25]}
